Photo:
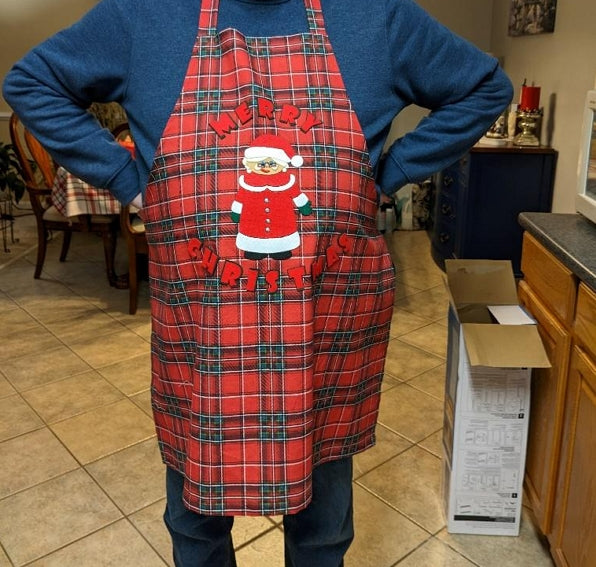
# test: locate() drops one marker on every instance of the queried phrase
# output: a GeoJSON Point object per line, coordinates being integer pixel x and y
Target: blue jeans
{"type": "Point", "coordinates": [317, 536]}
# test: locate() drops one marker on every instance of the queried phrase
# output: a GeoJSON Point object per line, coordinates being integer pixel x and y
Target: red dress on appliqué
{"type": "Point", "coordinates": [267, 206]}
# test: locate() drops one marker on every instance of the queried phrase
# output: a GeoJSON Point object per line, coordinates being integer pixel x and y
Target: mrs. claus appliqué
{"type": "Point", "coordinates": [268, 196]}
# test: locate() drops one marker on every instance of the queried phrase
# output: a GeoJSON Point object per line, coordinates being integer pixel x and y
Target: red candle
{"type": "Point", "coordinates": [529, 99]}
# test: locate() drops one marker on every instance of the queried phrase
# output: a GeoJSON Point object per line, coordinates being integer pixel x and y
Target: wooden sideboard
{"type": "Point", "coordinates": [476, 202]}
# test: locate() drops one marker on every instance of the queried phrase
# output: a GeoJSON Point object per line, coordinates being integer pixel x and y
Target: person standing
{"type": "Point", "coordinates": [266, 366]}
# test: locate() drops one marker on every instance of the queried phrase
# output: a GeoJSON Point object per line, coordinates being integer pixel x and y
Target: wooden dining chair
{"type": "Point", "coordinates": [39, 170]}
{"type": "Point", "coordinates": [133, 230]}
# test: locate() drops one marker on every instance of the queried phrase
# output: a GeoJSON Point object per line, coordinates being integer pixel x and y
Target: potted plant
{"type": "Point", "coordinates": [11, 179]}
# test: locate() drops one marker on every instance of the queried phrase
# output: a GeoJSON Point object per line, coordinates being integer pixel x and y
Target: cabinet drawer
{"type": "Point", "coordinates": [443, 242]}
{"type": "Point", "coordinates": [550, 279]}
{"type": "Point", "coordinates": [455, 176]}
{"type": "Point", "coordinates": [585, 319]}
{"type": "Point", "coordinates": [447, 206]}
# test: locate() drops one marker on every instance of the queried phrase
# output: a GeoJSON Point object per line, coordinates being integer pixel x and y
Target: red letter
{"type": "Point", "coordinates": [251, 279]}
{"type": "Point", "coordinates": [344, 241]}
{"type": "Point", "coordinates": [309, 122]}
{"type": "Point", "coordinates": [265, 108]}
{"type": "Point", "coordinates": [243, 112]}
{"type": "Point", "coordinates": [289, 113]}
{"type": "Point", "coordinates": [209, 260]}
{"type": "Point", "coordinates": [317, 268]}
{"type": "Point", "coordinates": [297, 274]}
{"type": "Point", "coordinates": [230, 273]}
{"type": "Point", "coordinates": [223, 126]}
{"type": "Point", "coordinates": [194, 245]}
{"type": "Point", "coordinates": [332, 255]}
{"type": "Point", "coordinates": [271, 278]}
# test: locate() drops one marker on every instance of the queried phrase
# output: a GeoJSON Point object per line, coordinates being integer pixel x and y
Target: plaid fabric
{"type": "Point", "coordinates": [71, 196]}
{"type": "Point", "coordinates": [263, 368]}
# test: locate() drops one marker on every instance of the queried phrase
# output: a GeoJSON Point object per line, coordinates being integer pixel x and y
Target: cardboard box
{"type": "Point", "coordinates": [492, 347]}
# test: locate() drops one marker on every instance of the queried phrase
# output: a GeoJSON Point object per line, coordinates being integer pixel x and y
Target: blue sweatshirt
{"type": "Point", "coordinates": [135, 52]}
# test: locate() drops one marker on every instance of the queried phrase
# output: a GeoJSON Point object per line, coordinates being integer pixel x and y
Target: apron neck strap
{"type": "Point", "coordinates": [210, 9]}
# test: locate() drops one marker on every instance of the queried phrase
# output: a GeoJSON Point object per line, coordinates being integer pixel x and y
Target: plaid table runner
{"type": "Point", "coordinates": [71, 196]}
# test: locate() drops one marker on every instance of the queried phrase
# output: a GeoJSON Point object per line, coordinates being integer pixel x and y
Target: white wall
{"type": "Point", "coordinates": [563, 64]}
{"type": "Point", "coordinates": [472, 19]}
{"type": "Point", "coordinates": [24, 24]}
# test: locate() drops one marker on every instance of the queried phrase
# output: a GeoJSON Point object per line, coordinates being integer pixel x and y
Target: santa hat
{"type": "Point", "coordinates": [275, 147]}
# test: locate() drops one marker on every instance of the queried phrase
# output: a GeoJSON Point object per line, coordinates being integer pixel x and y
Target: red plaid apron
{"type": "Point", "coordinates": [272, 289]}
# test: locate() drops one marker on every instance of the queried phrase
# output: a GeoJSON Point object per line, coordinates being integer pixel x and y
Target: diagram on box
{"type": "Point", "coordinates": [487, 509]}
{"type": "Point", "coordinates": [487, 480]}
{"type": "Point", "coordinates": [494, 393]}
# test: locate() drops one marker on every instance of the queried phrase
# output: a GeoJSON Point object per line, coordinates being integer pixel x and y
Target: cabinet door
{"type": "Point", "coordinates": [500, 186]}
{"type": "Point", "coordinates": [574, 542]}
{"type": "Point", "coordinates": [585, 320]}
{"type": "Point", "coordinates": [546, 410]}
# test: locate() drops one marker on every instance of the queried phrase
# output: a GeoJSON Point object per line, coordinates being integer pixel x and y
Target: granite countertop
{"type": "Point", "coordinates": [569, 237]}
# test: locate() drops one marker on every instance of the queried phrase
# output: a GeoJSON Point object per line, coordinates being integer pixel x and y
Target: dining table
{"type": "Point", "coordinates": [75, 198]}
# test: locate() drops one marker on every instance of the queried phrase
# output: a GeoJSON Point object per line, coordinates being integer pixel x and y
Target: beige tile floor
{"type": "Point", "coordinates": [81, 483]}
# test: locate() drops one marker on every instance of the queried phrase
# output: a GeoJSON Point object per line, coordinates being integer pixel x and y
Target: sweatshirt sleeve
{"type": "Point", "coordinates": [463, 87]}
{"type": "Point", "coordinates": [53, 85]}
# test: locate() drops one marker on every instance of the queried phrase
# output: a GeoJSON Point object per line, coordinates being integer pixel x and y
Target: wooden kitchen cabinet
{"type": "Point", "coordinates": [548, 292]}
{"type": "Point", "coordinates": [546, 414]}
{"type": "Point", "coordinates": [560, 479]}
{"type": "Point", "coordinates": [573, 538]}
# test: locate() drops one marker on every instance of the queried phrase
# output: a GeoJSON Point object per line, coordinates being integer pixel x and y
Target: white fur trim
{"type": "Point", "coordinates": [262, 188]}
{"type": "Point", "coordinates": [302, 199]}
{"type": "Point", "coordinates": [261, 152]}
{"type": "Point", "coordinates": [268, 245]}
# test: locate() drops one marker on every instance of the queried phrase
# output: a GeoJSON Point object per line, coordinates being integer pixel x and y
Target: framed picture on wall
{"type": "Point", "coordinates": [530, 17]}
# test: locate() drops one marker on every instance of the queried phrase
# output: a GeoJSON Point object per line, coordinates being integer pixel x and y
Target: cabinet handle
{"type": "Point", "coordinates": [444, 237]}
{"type": "Point", "coordinates": [446, 209]}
